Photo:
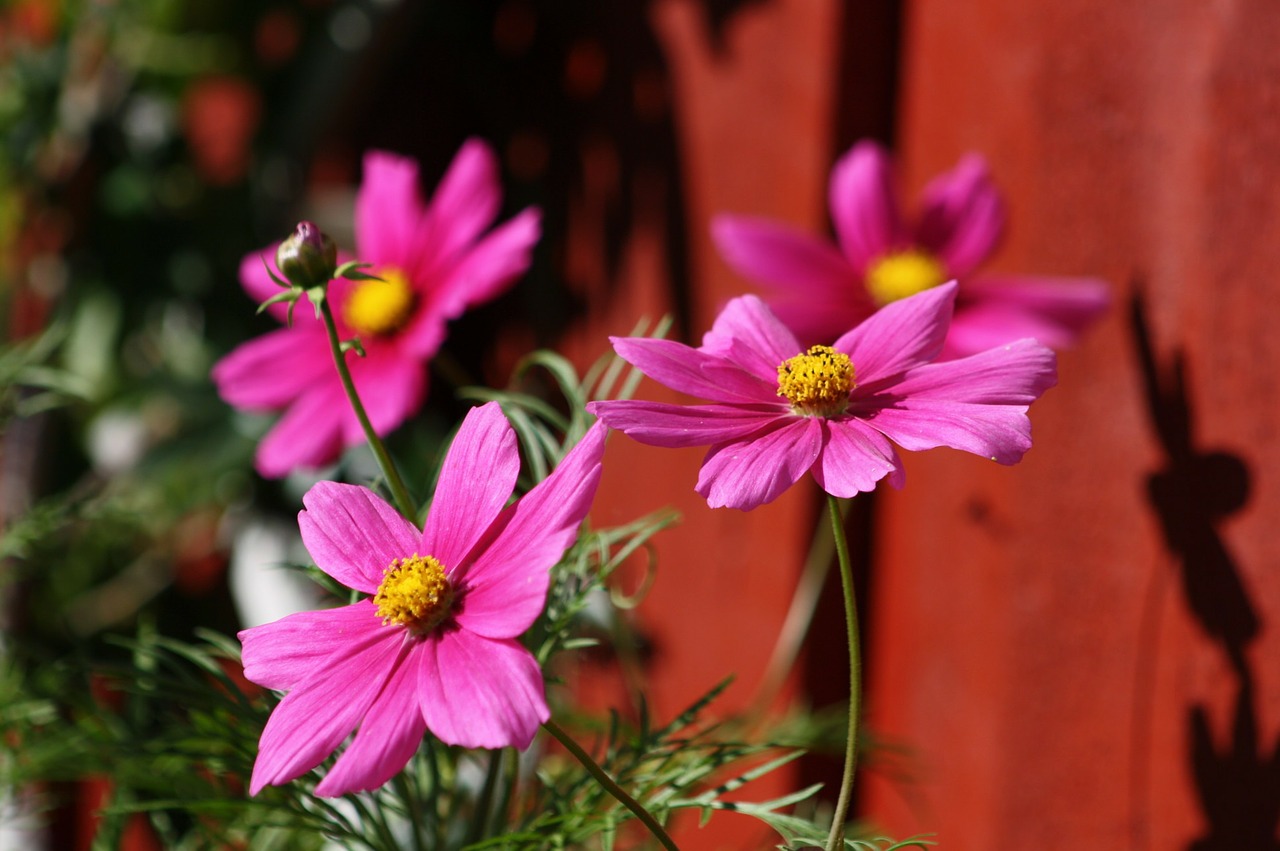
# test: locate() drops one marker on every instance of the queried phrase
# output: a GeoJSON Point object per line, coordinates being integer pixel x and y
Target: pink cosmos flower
{"type": "Point", "coordinates": [435, 645]}
{"type": "Point", "coordinates": [435, 261]}
{"type": "Point", "coordinates": [820, 290]}
{"type": "Point", "coordinates": [778, 411]}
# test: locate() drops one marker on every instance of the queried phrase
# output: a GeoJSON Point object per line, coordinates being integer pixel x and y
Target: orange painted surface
{"type": "Point", "coordinates": [724, 577]}
{"type": "Point", "coordinates": [1078, 652]}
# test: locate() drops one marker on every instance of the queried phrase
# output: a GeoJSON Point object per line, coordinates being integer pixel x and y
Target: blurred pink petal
{"type": "Point", "coordinates": [434, 261]}
{"type": "Point", "coordinates": [391, 388]}
{"type": "Point", "coordinates": [962, 216]}
{"type": "Point", "coordinates": [389, 210]}
{"type": "Point", "coordinates": [254, 377]}
{"type": "Point", "coordinates": [483, 273]}
{"type": "Point", "coordinates": [466, 202]}
{"type": "Point", "coordinates": [821, 289]}
{"type": "Point", "coordinates": [308, 435]}
{"type": "Point", "coordinates": [799, 270]}
{"type": "Point", "coordinates": [864, 207]}
{"type": "Point", "coordinates": [1055, 311]}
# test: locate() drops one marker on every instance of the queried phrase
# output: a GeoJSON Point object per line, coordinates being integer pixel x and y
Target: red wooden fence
{"type": "Point", "coordinates": [1073, 652]}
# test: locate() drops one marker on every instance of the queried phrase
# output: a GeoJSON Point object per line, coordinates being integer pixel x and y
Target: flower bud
{"type": "Point", "coordinates": [307, 257]}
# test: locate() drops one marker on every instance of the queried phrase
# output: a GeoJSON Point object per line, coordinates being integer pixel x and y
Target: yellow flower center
{"type": "Point", "coordinates": [380, 306]}
{"type": "Point", "coordinates": [414, 593]}
{"type": "Point", "coordinates": [902, 274]}
{"type": "Point", "coordinates": [817, 383]}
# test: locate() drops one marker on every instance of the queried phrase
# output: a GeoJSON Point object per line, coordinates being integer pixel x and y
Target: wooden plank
{"type": "Point", "coordinates": [1066, 647]}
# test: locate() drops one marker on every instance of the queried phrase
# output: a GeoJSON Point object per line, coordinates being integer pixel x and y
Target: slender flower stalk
{"type": "Point", "coordinates": [835, 839]}
{"type": "Point", "coordinates": [399, 492]}
{"type": "Point", "coordinates": [610, 785]}
{"type": "Point", "coordinates": [804, 602]}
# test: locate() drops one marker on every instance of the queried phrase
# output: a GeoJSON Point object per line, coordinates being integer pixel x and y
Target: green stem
{"type": "Point", "coordinates": [410, 799]}
{"type": "Point", "coordinates": [610, 786]}
{"type": "Point", "coordinates": [835, 839]}
{"type": "Point", "coordinates": [804, 603]}
{"type": "Point", "coordinates": [398, 491]}
{"type": "Point", "coordinates": [480, 818]}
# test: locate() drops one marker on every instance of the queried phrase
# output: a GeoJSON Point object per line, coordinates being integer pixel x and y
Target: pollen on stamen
{"type": "Point", "coordinates": [415, 592]}
{"type": "Point", "coordinates": [380, 306]}
{"type": "Point", "coordinates": [903, 273]}
{"type": "Point", "coordinates": [817, 383]}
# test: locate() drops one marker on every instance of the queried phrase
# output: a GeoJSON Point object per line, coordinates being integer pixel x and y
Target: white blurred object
{"type": "Point", "coordinates": [263, 587]}
{"type": "Point", "coordinates": [117, 439]}
{"type": "Point", "coordinates": [20, 828]}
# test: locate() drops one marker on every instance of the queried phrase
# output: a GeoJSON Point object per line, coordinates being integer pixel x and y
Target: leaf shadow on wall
{"type": "Point", "coordinates": [1191, 494]}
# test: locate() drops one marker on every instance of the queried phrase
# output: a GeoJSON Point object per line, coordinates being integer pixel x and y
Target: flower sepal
{"type": "Point", "coordinates": [289, 296]}
{"type": "Point", "coordinates": [351, 270]}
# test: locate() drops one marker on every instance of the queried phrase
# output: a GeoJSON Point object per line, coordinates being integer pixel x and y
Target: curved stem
{"type": "Point", "coordinates": [610, 785]}
{"type": "Point", "coordinates": [410, 799]}
{"type": "Point", "coordinates": [804, 603]}
{"type": "Point", "coordinates": [835, 839]}
{"type": "Point", "coordinates": [480, 818]}
{"type": "Point", "coordinates": [398, 491]}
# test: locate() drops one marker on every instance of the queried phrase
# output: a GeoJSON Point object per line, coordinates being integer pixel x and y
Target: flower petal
{"type": "Point", "coordinates": [314, 718]}
{"type": "Point", "coordinates": [813, 289]}
{"type": "Point", "coordinates": [661, 424]}
{"type": "Point", "coordinates": [388, 737]}
{"type": "Point", "coordinates": [309, 435]}
{"type": "Point", "coordinates": [1055, 311]}
{"type": "Point", "coordinates": [466, 201]}
{"type": "Point", "coordinates": [1016, 373]}
{"type": "Point", "coordinates": [754, 471]}
{"type": "Point", "coordinates": [492, 264]}
{"type": "Point", "coordinates": [854, 457]}
{"type": "Point", "coordinates": [390, 216]}
{"type": "Point", "coordinates": [694, 371]}
{"type": "Point", "coordinates": [353, 535]}
{"type": "Point", "coordinates": [477, 478]}
{"type": "Point", "coordinates": [391, 388]}
{"type": "Point", "coordinates": [280, 655]}
{"type": "Point", "coordinates": [901, 335]}
{"type": "Point", "coordinates": [480, 692]}
{"type": "Point", "coordinates": [748, 334]}
{"type": "Point", "coordinates": [962, 218]}
{"type": "Point", "coordinates": [268, 372]}
{"type": "Point", "coordinates": [864, 208]}
{"type": "Point", "coordinates": [506, 586]}
{"type": "Point", "coordinates": [976, 404]}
